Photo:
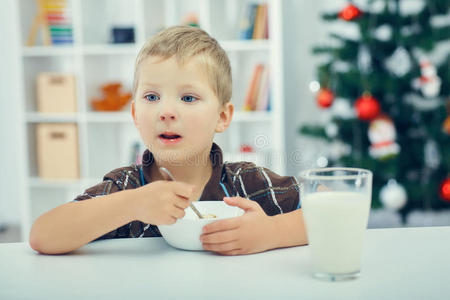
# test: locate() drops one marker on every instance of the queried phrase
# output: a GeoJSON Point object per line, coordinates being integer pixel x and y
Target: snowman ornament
{"type": "Point", "coordinates": [382, 137]}
{"type": "Point", "coordinates": [429, 83]}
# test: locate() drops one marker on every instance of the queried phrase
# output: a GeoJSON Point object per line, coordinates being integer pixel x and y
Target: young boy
{"type": "Point", "coordinates": [182, 92]}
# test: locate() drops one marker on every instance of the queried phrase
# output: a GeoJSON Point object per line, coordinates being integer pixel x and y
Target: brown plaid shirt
{"type": "Point", "coordinates": [275, 194]}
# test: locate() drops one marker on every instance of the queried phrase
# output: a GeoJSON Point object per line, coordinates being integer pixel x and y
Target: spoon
{"type": "Point", "coordinates": [168, 176]}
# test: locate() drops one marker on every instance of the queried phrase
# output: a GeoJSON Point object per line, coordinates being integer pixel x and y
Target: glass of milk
{"type": "Point", "coordinates": [335, 204]}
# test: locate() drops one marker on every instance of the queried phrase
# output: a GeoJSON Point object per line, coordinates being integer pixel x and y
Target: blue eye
{"type": "Point", "coordinates": [152, 97]}
{"type": "Point", "coordinates": [188, 98]}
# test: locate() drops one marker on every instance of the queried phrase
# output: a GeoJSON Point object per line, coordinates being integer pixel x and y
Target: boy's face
{"type": "Point", "coordinates": [176, 111]}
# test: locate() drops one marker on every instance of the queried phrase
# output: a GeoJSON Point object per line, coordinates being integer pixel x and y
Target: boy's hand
{"type": "Point", "coordinates": [162, 202]}
{"type": "Point", "coordinates": [249, 233]}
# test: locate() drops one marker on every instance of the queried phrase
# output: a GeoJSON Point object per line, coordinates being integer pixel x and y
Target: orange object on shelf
{"type": "Point", "coordinates": [113, 99]}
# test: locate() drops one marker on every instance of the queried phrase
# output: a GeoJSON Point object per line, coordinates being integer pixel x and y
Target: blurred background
{"type": "Point", "coordinates": [315, 83]}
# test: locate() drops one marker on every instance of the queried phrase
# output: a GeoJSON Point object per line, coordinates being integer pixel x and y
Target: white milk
{"type": "Point", "coordinates": [335, 224]}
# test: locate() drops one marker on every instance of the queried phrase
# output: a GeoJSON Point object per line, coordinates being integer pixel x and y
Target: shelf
{"type": "Point", "coordinates": [81, 184]}
{"type": "Point", "coordinates": [36, 117]}
{"type": "Point", "coordinates": [109, 117]}
{"type": "Point", "coordinates": [111, 49]}
{"type": "Point", "coordinates": [228, 45]}
{"type": "Point", "coordinates": [245, 45]}
{"type": "Point", "coordinates": [125, 116]}
{"type": "Point", "coordinates": [43, 51]}
{"type": "Point", "coordinates": [93, 117]}
{"type": "Point", "coordinates": [257, 158]}
{"type": "Point", "coordinates": [132, 49]}
{"type": "Point", "coordinates": [37, 182]}
{"type": "Point", "coordinates": [252, 116]}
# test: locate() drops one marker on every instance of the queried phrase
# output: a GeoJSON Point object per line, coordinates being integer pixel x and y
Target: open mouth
{"type": "Point", "coordinates": [169, 136]}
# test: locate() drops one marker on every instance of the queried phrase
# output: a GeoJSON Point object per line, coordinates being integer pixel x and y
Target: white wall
{"type": "Point", "coordinates": [10, 188]}
{"type": "Point", "coordinates": [302, 29]}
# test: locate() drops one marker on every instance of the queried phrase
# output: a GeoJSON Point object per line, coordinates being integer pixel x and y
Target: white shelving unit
{"type": "Point", "coordinates": [105, 138]}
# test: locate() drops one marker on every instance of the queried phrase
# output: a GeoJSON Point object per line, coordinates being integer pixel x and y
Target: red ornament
{"type": "Point", "coordinates": [367, 107]}
{"type": "Point", "coordinates": [246, 148]}
{"type": "Point", "coordinates": [350, 12]}
{"type": "Point", "coordinates": [325, 98]}
{"type": "Point", "coordinates": [444, 190]}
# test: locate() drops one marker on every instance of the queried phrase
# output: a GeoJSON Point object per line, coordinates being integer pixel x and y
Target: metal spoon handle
{"type": "Point", "coordinates": [166, 174]}
{"type": "Point", "coordinates": [169, 177]}
{"type": "Point", "coordinates": [200, 216]}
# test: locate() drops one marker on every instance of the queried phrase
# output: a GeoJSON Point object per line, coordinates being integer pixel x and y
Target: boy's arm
{"type": "Point", "coordinates": [72, 225]}
{"type": "Point", "coordinates": [291, 229]}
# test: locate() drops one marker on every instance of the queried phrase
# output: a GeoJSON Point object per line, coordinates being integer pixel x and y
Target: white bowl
{"type": "Point", "coordinates": [185, 233]}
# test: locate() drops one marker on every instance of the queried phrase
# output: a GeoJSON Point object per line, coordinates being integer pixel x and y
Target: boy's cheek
{"type": "Point", "coordinates": [144, 124]}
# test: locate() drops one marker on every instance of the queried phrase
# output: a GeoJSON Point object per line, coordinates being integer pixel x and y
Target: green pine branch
{"type": "Point", "coordinates": [314, 131]}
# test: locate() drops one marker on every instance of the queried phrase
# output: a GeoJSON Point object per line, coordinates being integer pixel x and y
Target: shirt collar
{"type": "Point", "coordinates": [212, 190]}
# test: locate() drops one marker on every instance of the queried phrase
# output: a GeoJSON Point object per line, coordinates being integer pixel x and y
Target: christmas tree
{"type": "Point", "coordinates": [387, 97]}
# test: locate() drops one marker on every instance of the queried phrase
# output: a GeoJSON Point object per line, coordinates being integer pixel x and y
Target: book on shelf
{"type": "Point", "coordinates": [247, 21]}
{"type": "Point", "coordinates": [262, 102]}
{"type": "Point", "coordinates": [260, 20]}
{"type": "Point", "coordinates": [266, 23]}
{"type": "Point", "coordinates": [258, 92]}
{"type": "Point", "coordinates": [254, 24]}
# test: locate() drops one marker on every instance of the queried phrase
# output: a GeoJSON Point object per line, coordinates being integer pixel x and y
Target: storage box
{"type": "Point", "coordinates": [57, 151]}
{"type": "Point", "coordinates": [56, 93]}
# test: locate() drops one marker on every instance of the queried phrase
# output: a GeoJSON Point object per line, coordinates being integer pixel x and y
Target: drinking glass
{"type": "Point", "coordinates": [336, 204]}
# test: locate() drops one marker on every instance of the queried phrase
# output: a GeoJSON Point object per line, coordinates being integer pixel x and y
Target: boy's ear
{"type": "Point", "coordinates": [133, 113]}
{"type": "Point", "coordinates": [225, 117]}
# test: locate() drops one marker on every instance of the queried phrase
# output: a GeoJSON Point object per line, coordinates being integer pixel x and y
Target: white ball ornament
{"type": "Point", "coordinates": [314, 86]}
{"type": "Point", "coordinates": [322, 162]}
{"type": "Point", "coordinates": [393, 195]}
{"type": "Point", "coordinates": [342, 109]}
{"type": "Point", "coordinates": [331, 130]}
{"type": "Point", "coordinates": [383, 33]}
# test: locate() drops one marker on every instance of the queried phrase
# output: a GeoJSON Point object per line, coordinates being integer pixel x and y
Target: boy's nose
{"type": "Point", "coordinates": [167, 111]}
{"type": "Point", "coordinates": [167, 116]}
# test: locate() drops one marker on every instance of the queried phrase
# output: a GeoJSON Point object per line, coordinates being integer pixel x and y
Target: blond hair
{"type": "Point", "coordinates": [186, 42]}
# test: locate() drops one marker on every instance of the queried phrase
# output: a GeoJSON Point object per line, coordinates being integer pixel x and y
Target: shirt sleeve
{"type": "Point", "coordinates": [275, 194]}
{"type": "Point", "coordinates": [284, 190]}
{"type": "Point", "coordinates": [115, 181]}
{"type": "Point", "coordinates": [107, 186]}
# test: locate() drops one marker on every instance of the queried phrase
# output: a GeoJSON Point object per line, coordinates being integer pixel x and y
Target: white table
{"type": "Point", "coordinates": [408, 263]}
